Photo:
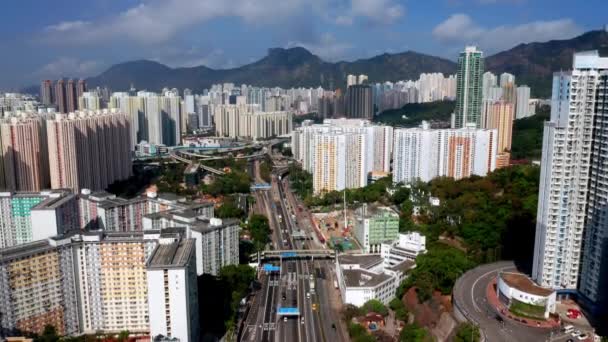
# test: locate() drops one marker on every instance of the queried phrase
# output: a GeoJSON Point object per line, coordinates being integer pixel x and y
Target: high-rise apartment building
{"type": "Point", "coordinates": [30, 216]}
{"type": "Point", "coordinates": [217, 240]}
{"type": "Point", "coordinates": [424, 153]}
{"type": "Point", "coordinates": [38, 288]}
{"type": "Point", "coordinates": [89, 149]}
{"type": "Point", "coordinates": [469, 88]}
{"type": "Point", "coordinates": [172, 290]}
{"type": "Point", "coordinates": [81, 88]}
{"type": "Point", "coordinates": [499, 115]}
{"type": "Point", "coordinates": [25, 164]}
{"type": "Point", "coordinates": [359, 102]}
{"type": "Point", "coordinates": [61, 97]}
{"type": "Point", "coordinates": [89, 100]}
{"type": "Point", "coordinates": [47, 92]}
{"type": "Point", "coordinates": [242, 120]}
{"type": "Point", "coordinates": [351, 80]}
{"type": "Point", "coordinates": [113, 289]}
{"type": "Point", "coordinates": [134, 107]}
{"type": "Point", "coordinates": [523, 102]}
{"type": "Point", "coordinates": [489, 81]}
{"type": "Point", "coordinates": [571, 232]}
{"type": "Point", "coordinates": [507, 79]}
{"type": "Point", "coordinates": [71, 96]}
{"type": "Point", "coordinates": [341, 153]}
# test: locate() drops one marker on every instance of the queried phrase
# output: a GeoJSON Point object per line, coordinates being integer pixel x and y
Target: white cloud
{"type": "Point", "coordinates": [377, 12]}
{"type": "Point", "coordinates": [327, 47]}
{"type": "Point", "coordinates": [344, 20]}
{"type": "Point", "coordinates": [157, 21]}
{"type": "Point", "coordinates": [67, 26]}
{"type": "Point", "coordinates": [461, 29]}
{"type": "Point", "coordinates": [69, 67]}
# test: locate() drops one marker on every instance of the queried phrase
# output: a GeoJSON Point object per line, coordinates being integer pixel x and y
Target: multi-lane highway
{"type": "Point", "coordinates": [301, 284]}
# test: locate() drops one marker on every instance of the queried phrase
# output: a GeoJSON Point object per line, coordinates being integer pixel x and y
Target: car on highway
{"type": "Point", "coordinates": [285, 319]}
{"type": "Point", "coordinates": [576, 332]}
{"type": "Point", "coordinates": [582, 337]}
{"type": "Point", "coordinates": [302, 320]}
{"type": "Point", "coordinates": [284, 297]}
{"type": "Point", "coordinates": [307, 294]}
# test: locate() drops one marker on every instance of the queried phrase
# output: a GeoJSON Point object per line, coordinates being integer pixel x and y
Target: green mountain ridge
{"type": "Point", "coordinates": [533, 64]}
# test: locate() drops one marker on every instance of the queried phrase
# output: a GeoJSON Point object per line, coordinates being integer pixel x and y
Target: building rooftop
{"type": "Point", "coordinates": [206, 225]}
{"type": "Point", "coordinates": [365, 261]}
{"type": "Point", "coordinates": [403, 266]}
{"type": "Point", "coordinates": [53, 202]}
{"type": "Point", "coordinates": [24, 250]}
{"type": "Point", "coordinates": [175, 254]}
{"type": "Point", "coordinates": [523, 283]}
{"type": "Point", "coordinates": [373, 210]}
{"type": "Point", "coordinates": [363, 278]}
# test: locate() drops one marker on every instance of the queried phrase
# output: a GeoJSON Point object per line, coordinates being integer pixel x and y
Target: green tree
{"type": "Point", "coordinates": [123, 335]}
{"type": "Point", "coordinates": [229, 209]}
{"type": "Point", "coordinates": [413, 333]}
{"type": "Point", "coordinates": [399, 308]}
{"type": "Point", "coordinates": [49, 334]}
{"type": "Point", "coordinates": [260, 230]}
{"type": "Point", "coordinates": [351, 311]}
{"type": "Point", "coordinates": [400, 195]}
{"type": "Point", "coordinates": [438, 269]}
{"type": "Point", "coordinates": [467, 333]}
{"type": "Point", "coordinates": [374, 305]}
{"type": "Point", "coordinates": [358, 333]}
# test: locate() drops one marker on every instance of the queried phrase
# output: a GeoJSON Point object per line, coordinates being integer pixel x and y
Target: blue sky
{"type": "Point", "coordinates": [50, 39]}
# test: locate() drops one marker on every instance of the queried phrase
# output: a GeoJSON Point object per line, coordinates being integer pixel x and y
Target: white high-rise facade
{"type": "Point", "coordinates": [424, 153]}
{"type": "Point", "coordinates": [341, 153]}
{"type": "Point", "coordinates": [572, 221]}
{"type": "Point", "coordinates": [522, 109]}
{"type": "Point", "coordinates": [506, 79]}
{"type": "Point", "coordinates": [489, 81]}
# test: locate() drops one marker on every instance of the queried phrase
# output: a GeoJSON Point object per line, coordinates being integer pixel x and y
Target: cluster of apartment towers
{"type": "Point", "coordinates": [349, 153]}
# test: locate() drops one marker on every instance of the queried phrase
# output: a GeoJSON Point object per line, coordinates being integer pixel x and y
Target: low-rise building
{"type": "Point", "coordinates": [524, 297]}
{"type": "Point", "coordinates": [363, 277]}
{"type": "Point", "coordinates": [374, 226]}
{"type": "Point", "coordinates": [406, 248]}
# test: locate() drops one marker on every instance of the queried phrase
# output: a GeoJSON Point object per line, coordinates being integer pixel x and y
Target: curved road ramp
{"type": "Point", "coordinates": [471, 305]}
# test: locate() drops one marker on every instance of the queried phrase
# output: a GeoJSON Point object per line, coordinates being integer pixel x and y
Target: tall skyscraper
{"type": "Point", "coordinates": [25, 157]}
{"type": "Point", "coordinates": [351, 80]}
{"type": "Point", "coordinates": [89, 100]}
{"type": "Point", "coordinates": [82, 87]}
{"type": "Point", "coordinates": [46, 93]}
{"type": "Point", "coordinates": [359, 102]}
{"type": "Point", "coordinates": [499, 115]}
{"type": "Point", "coordinates": [60, 97]}
{"type": "Point", "coordinates": [523, 102]}
{"type": "Point", "coordinates": [89, 150]}
{"type": "Point", "coordinates": [571, 247]}
{"type": "Point", "coordinates": [506, 79]}
{"type": "Point", "coordinates": [469, 88]}
{"type": "Point", "coordinates": [71, 98]}
{"type": "Point", "coordinates": [489, 81]}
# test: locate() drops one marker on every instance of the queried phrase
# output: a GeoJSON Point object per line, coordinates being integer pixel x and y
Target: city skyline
{"type": "Point", "coordinates": [75, 42]}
